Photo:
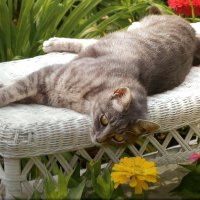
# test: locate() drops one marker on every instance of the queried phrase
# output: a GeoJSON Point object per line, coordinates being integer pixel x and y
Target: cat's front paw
{"type": "Point", "coordinates": [134, 25]}
{"type": "Point", "coordinates": [51, 45]}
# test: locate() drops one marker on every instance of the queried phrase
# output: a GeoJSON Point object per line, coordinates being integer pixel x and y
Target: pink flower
{"type": "Point", "coordinates": [194, 157]}
{"type": "Point", "coordinates": [184, 7]}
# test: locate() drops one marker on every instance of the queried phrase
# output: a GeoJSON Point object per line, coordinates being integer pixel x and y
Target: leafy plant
{"type": "Point", "coordinates": [24, 25]}
{"type": "Point", "coordinates": [189, 185]}
{"type": "Point", "coordinates": [95, 183]}
{"type": "Point", "coordinates": [61, 189]}
{"type": "Point", "coordinates": [101, 184]}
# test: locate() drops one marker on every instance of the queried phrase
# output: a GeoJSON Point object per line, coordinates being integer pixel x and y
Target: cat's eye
{"type": "Point", "coordinates": [118, 138]}
{"type": "Point", "coordinates": [104, 120]}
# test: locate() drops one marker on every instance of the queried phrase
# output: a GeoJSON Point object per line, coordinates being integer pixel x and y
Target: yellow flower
{"type": "Point", "coordinates": [136, 171]}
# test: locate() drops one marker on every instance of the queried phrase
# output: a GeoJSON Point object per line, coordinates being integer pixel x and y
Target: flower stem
{"type": "Point", "coordinates": [192, 9]}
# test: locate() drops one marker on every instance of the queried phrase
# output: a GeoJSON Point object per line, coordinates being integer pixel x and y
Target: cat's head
{"type": "Point", "coordinates": [119, 118]}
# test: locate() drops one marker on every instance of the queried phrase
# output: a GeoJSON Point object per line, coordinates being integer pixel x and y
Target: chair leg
{"type": "Point", "coordinates": [12, 179]}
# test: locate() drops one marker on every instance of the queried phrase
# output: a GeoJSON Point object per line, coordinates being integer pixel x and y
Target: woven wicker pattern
{"type": "Point", "coordinates": [33, 130]}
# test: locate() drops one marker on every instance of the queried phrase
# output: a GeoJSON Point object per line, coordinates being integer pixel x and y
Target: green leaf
{"type": "Point", "coordinates": [62, 184]}
{"type": "Point", "coordinates": [3, 54]}
{"type": "Point", "coordinates": [75, 178]}
{"type": "Point", "coordinates": [5, 27]}
{"type": "Point", "coordinates": [76, 192]}
{"type": "Point", "coordinates": [119, 193]}
{"type": "Point", "coordinates": [197, 170]}
{"type": "Point", "coordinates": [189, 186]}
{"type": "Point", "coordinates": [103, 185]}
{"type": "Point", "coordinates": [59, 190]}
{"type": "Point", "coordinates": [36, 195]}
{"type": "Point", "coordinates": [82, 30]}
{"type": "Point", "coordinates": [96, 167]}
{"type": "Point", "coordinates": [63, 181]}
{"type": "Point", "coordinates": [189, 167]}
{"type": "Point", "coordinates": [93, 168]}
{"type": "Point", "coordinates": [49, 187]}
{"type": "Point", "coordinates": [23, 26]}
{"type": "Point", "coordinates": [76, 15]}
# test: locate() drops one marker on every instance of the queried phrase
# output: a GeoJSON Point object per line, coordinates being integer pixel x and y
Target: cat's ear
{"type": "Point", "coordinates": [154, 10]}
{"type": "Point", "coordinates": [121, 99]}
{"type": "Point", "coordinates": [146, 126]}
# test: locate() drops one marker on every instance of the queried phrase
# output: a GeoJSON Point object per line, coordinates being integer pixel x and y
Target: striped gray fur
{"type": "Point", "coordinates": [112, 77]}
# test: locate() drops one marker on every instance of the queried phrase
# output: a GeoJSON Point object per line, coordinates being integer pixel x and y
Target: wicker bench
{"type": "Point", "coordinates": [34, 131]}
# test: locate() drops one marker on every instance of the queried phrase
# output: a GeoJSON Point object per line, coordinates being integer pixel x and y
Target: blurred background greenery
{"type": "Point", "coordinates": [25, 24]}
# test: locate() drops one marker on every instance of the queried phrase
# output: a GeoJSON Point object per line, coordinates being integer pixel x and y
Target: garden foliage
{"type": "Point", "coordinates": [189, 185]}
{"type": "Point", "coordinates": [95, 183]}
{"type": "Point", "coordinates": [99, 183]}
{"type": "Point", "coordinates": [25, 24]}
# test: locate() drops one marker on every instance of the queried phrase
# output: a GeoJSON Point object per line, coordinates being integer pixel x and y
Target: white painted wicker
{"type": "Point", "coordinates": [31, 131]}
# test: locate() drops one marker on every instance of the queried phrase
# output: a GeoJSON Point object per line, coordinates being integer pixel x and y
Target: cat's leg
{"type": "Point", "coordinates": [56, 44]}
{"type": "Point", "coordinates": [17, 91]}
{"type": "Point", "coordinates": [134, 25]}
{"type": "Point", "coordinates": [32, 88]}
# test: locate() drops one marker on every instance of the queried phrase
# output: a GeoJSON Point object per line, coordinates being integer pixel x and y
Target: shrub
{"type": "Point", "coordinates": [24, 25]}
{"type": "Point", "coordinates": [97, 183]}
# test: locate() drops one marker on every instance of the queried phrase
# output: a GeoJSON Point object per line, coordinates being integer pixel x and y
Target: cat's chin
{"type": "Point", "coordinates": [119, 144]}
{"type": "Point", "coordinates": [93, 139]}
{"type": "Point", "coordinates": [107, 142]}
{"type": "Point", "coordinates": [111, 141]}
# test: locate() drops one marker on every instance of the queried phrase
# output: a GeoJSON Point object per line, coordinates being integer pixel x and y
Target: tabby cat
{"type": "Point", "coordinates": [111, 78]}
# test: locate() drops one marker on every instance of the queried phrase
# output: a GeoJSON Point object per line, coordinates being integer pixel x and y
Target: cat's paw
{"type": "Point", "coordinates": [1, 85]}
{"type": "Point", "coordinates": [51, 45]}
{"type": "Point", "coordinates": [66, 44]}
{"type": "Point", "coordinates": [56, 44]}
{"type": "Point", "coordinates": [134, 25]}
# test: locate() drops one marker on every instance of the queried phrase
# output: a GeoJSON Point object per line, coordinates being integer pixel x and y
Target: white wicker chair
{"type": "Point", "coordinates": [32, 131]}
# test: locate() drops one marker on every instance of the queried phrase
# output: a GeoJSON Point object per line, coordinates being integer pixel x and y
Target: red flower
{"type": "Point", "coordinates": [194, 157]}
{"type": "Point", "coordinates": [184, 6]}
